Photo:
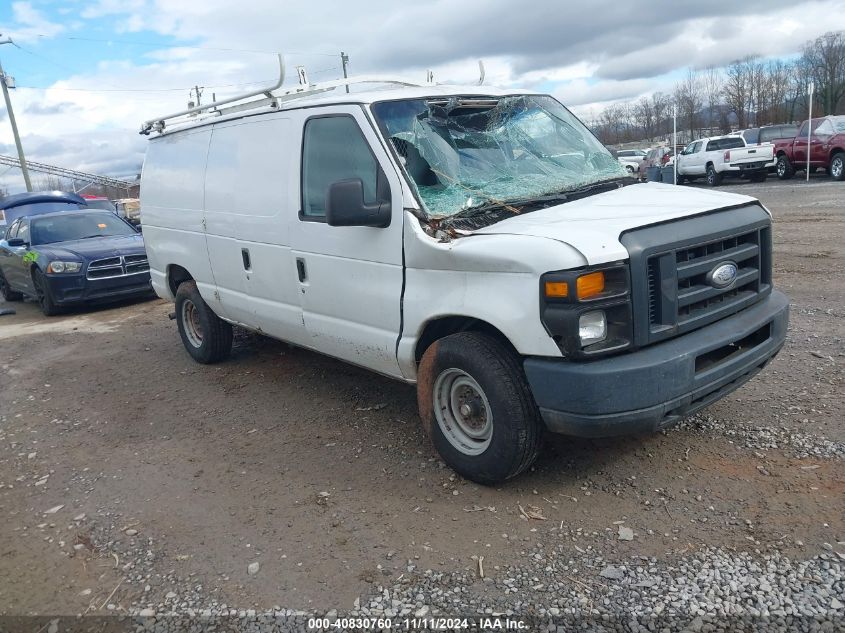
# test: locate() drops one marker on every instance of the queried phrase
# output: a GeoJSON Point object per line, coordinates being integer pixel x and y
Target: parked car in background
{"type": "Point", "coordinates": [657, 157]}
{"type": "Point", "coordinates": [827, 148]}
{"type": "Point", "coordinates": [751, 135]}
{"type": "Point", "coordinates": [630, 159]}
{"type": "Point", "coordinates": [72, 257]}
{"type": "Point", "coordinates": [720, 156]}
{"type": "Point", "coordinates": [776, 133]}
{"type": "Point", "coordinates": [21, 204]}
{"type": "Point", "coordinates": [129, 209]}
{"type": "Point", "coordinates": [781, 137]}
{"type": "Point", "coordinates": [99, 202]}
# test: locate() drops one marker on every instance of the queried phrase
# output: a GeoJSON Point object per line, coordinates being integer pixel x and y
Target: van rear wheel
{"type": "Point", "coordinates": [207, 337]}
{"type": "Point", "coordinates": [477, 408]}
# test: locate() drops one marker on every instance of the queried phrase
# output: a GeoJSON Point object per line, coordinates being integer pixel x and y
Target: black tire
{"type": "Point", "coordinates": [207, 337]}
{"type": "Point", "coordinates": [6, 291]}
{"type": "Point", "coordinates": [714, 178]}
{"type": "Point", "coordinates": [505, 407]}
{"type": "Point", "coordinates": [759, 176]}
{"type": "Point", "coordinates": [837, 166]}
{"type": "Point", "coordinates": [680, 179]}
{"type": "Point", "coordinates": [42, 294]}
{"type": "Point", "coordinates": [784, 168]}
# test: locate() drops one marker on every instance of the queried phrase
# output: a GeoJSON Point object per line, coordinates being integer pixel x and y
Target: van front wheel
{"type": "Point", "coordinates": [207, 337]}
{"type": "Point", "coordinates": [477, 407]}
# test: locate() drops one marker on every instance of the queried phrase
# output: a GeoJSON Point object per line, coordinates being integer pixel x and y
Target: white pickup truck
{"type": "Point", "coordinates": [720, 156]}
{"type": "Point", "coordinates": [479, 243]}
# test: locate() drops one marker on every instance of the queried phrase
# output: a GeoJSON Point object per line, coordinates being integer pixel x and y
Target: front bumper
{"type": "Point", "coordinates": [74, 289]}
{"type": "Point", "coordinates": [659, 385]}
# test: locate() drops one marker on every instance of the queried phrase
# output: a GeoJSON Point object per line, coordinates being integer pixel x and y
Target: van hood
{"type": "Point", "coordinates": [593, 225]}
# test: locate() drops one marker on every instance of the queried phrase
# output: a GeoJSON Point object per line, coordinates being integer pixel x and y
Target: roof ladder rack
{"type": "Point", "coordinates": [213, 109]}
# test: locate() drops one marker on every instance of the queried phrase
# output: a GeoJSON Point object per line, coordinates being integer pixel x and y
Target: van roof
{"type": "Point", "coordinates": [316, 95]}
{"type": "Point", "coordinates": [408, 92]}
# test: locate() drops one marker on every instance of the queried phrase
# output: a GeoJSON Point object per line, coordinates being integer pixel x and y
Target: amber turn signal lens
{"type": "Point", "coordinates": [557, 289]}
{"type": "Point", "coordinates": [590, 285]}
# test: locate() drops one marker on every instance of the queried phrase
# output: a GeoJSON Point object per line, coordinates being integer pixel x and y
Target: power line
{"type": "Point", "coordinates": [160, 45]}
{"type": "Point", "coordinates": [237, 85]}
{"type": "Point", "coordinates": [248, 83]}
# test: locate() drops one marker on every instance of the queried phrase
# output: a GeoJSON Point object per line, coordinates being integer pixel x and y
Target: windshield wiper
{"type": "Point", "coordinates": [544, 200]}
{"type": "Point", "coordinates": [88, 237]}
{"type": "Point", "coordinates": [516, 204]}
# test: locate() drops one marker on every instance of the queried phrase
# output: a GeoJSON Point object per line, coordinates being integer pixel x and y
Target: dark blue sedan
{"type": "Point", "coordinates": [72, 257]}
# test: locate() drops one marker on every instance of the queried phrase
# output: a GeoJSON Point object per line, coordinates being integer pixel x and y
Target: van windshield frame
{"type": "Point", "coordinates": [467, 152]}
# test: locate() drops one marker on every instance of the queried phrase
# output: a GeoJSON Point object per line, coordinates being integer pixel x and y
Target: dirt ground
{"type": "Point", "coordinates": [171, 478]}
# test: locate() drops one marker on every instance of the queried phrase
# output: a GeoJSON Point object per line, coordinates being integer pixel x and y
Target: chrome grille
{"type": "Point", "coordinates": [117, 267]}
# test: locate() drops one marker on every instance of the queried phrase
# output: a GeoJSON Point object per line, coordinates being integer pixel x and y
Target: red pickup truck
{"type": "Point", "coordinates": [827, 148]}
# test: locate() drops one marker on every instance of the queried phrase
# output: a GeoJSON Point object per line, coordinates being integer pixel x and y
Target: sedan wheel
{"type": "Point", "coordinates": [42, 291]}
{"type": "Point", "coordinates": [837, 167]}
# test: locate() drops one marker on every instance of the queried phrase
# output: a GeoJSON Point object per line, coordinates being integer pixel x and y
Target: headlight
{"type": "Point", "coordinates": [588, 311]}
{"type": "Point", "coordinates": [592, 327]}
{"type": "Point", "coordinates": [64, 267]}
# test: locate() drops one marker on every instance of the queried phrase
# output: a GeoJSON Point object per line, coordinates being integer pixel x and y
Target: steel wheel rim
{"type": "Point", "coordinates": [781, 168]}
{"type": "Point", "coordinates": [463, 412]}
{"type": "Point", "coordinates": [191, 323]}
{"type": "Point", "coordinates": [836, 167]}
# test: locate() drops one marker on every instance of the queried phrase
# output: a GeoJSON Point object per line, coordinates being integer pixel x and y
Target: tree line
{"type": "Point", "coordinates": [749, 92]}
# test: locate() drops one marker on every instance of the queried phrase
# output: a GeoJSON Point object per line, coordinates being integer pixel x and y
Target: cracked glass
{"type": "Point", "coordinates": [463, 153]}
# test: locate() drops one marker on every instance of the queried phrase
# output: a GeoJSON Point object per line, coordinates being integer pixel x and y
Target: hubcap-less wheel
{"type": "Point", "coordinates": [836, 167]}
{"type": "Point", "coordinates": [781, 168]}
{"type": "Point", "coordinates": [39, 292]}
{"type": "Point", "coordinates": [463, 412]}
{"type": "Point", "coordinates": [191, 321]}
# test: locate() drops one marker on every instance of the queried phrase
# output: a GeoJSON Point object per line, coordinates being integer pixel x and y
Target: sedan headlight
{"type": "Point", "coordinates": [64, 267]}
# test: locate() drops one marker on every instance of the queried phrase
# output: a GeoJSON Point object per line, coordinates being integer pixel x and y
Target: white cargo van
{"type": "Point", "coordinates": [480, 243]}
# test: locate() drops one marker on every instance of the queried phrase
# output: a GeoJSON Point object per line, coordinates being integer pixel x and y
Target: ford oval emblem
{"type": "Point", "coordinates": [723, 275]}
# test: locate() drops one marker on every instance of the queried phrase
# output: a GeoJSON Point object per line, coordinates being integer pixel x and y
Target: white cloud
{"type": "Point", "coordinates": [30, 23]}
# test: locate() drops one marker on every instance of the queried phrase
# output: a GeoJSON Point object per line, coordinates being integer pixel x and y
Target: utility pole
{"type": "Point", "coordinates": [810, 90]}
{"type": "Point", "coordinates": [196, 90]}
{"type": "Point", "coordinates": [5, 81]}
{"type": "Point", "coordinates": [344, 60]}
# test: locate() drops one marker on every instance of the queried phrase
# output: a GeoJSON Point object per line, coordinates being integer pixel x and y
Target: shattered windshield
{"type": "Point", "coordinates": [468, 152]}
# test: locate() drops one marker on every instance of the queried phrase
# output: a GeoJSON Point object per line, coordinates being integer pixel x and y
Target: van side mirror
{"type": "Point", "coordinates": [345, 206]}
{"type": "Point", "coordinates": [17, 242]}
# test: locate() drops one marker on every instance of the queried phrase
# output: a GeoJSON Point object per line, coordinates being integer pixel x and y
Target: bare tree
{"type": "Point", "coordinates": [688, 99]}
{"type": "Point", "coordinates": [661, 104]}
{"type": "Point", "coordinates": [712, 83]}
{"type": "Point", "coordinates": [825, 59]}
{"type": "Point", "coordinates": [738, 88]}
{"type": "Point", "coordinates": [644, 117]}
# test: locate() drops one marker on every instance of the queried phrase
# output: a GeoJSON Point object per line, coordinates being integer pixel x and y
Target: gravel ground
{"type": "Point", "coordinates": [150, 493]}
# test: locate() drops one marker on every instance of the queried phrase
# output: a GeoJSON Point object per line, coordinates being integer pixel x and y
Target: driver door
{"type": "Point", "coordinates": [349, 277]}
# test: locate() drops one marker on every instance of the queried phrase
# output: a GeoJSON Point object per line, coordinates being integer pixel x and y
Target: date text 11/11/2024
{"type": "Point", "coordinates": [487, 623]}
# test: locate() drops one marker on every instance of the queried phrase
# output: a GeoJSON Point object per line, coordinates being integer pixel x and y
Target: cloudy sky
{"type": "Point", "coordinates": [89, 72]}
